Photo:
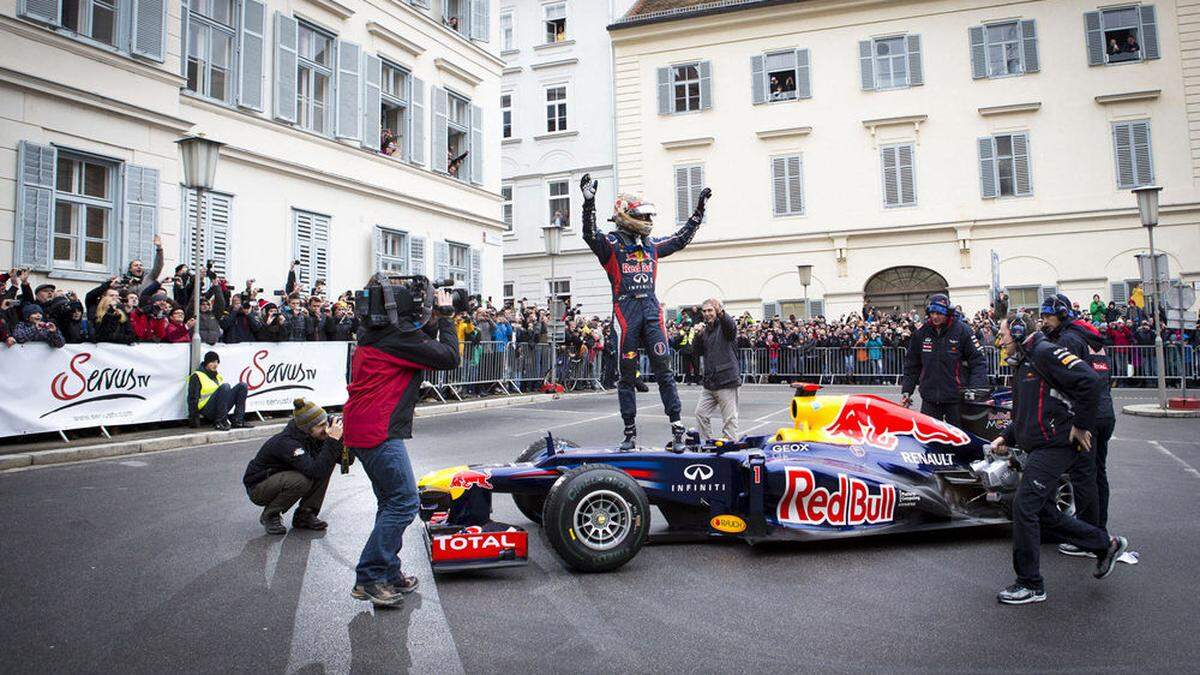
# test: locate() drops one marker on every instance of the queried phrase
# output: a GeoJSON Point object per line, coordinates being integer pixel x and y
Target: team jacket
{"type": "Point", "coordinates": [293, 450]}
{"type": "Point", "coordinates": [1084, 341]}
{"type": "Point", "coordinates": [934, 362]}
{"type": "Point", "coordinates": [630, 262]}
{"type": "Point", "coordinates": [1053, 390]}
{"type": "Point", "coordinates": [385, 379]}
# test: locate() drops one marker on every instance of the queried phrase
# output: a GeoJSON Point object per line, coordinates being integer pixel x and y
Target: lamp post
{"type": "Point", "coordinates": [1147, 201]}
{"type": "Point", "coordinates": [805, 279]}
{"type": "Point", "coordinates": [553, 240]}
{"type": "Point", "coordinates": [199, 157]}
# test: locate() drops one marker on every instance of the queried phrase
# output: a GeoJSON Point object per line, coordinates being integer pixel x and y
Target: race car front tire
{"type": "Point", "coordinates": [596, 518]}
{"type": "Point", "coordinates": [531, 505]}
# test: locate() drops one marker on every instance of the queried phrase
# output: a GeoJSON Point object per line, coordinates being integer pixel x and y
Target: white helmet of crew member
{"type": "Point", "coordinates": [634, 215]}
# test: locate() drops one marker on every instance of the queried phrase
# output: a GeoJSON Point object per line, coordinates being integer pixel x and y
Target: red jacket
{"type": "Point", "coordinates": [176, 332]}
{"type": "Point", "coordinates": [146, 328]}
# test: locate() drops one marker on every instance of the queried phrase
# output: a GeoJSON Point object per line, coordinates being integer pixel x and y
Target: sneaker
{"type": "Point", "coordinates": [238, 424]}
{"type": "Point", "coordinates": [273, 524]}
{"type": "Point", "coordinates": [1106, 562]}
{"type": "Point", "coordinates": [630, 441]}
{"type": "Point", "coordinates": [406, 585]}
{"type": "Point", "coordinates": [304, 519]}
{"type": "Point", "coordinates": [1019, 594]}
{"type": "Point", "coordinates": [222, 425]}
{"type": "Point", "coordinates": [677, 432]}
{"type": "Point", "coordinates": [380, 595]}
{"type": "Point", "coordinates": [1074, 551]}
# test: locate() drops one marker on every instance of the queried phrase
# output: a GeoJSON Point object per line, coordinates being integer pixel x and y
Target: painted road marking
{"type": "Point", "coordinates": [1186, 467]}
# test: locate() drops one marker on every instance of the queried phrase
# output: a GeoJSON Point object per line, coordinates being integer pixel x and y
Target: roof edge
{"type": "Point", "coordinates": [706, 9]}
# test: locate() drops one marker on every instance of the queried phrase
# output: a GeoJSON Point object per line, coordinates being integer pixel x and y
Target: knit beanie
{"type": "Point", "coordinates": [31, 309]}
{"type": "Point", "coordinates": [209, 357]}
{"type": "Point", "coordinates": [307, 414]}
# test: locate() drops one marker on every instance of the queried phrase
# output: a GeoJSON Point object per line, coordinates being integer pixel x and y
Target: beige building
{"type": "Point", "coordinates": [93, 94]}
{"type": "Point", "coordinates": [895, 146]}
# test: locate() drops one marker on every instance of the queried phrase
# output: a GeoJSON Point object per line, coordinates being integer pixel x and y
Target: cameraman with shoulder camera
{"type": "Point", "coordinates": [403, 333]}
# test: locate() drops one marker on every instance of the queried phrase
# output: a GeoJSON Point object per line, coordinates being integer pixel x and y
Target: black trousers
{"type": "Point", "coordinates": [947, 412]}
{"type": "Point", "coordinates": [279, 491]}
{"type": "Point", "coordinates": [1035, 514]}
{"type": "Point", "coordinates": [1091, 486]}
{"type": "Point", "coordinates": [225, 399]}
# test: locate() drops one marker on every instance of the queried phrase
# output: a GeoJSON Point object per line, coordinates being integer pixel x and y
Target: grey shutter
{"type": "Point", "coordinates": [979, 67]}
{"type": "Point", "coordinates": [1095, 38]}
{"type": "Point", "coordinates": [1123, 151]}
{"type": "Point", "coordinates": [816, 308]}
{"type": "Point", "coordinates": [907, 172]}
{"type": "Point", "coordinates": [252, 39]}
{"type": "Point", "coordinates": [183, 39]}
{"type": "Point", "coordinates": [779, 185]}
{"type": "Point", "coordinates": [377, 248]}
{"type": "Point", "coordinates": [770, 310]}
{"type": "Point", "coordinates": [705, 68]}
{"type": "Point", "coordinates": [803, 74]}
{"type": "Point", "coordinates": [1143, 163]}
{"type": "Point", "coordinates": [441, 104]}
{"type": "Point", "coordinates": [916, 73]}
{"type": "Point", "coordinates": [480, 20]}
{"type": "Point", "coordinates": [349, 90]}
{"type": "Point", "coordinates": [681, 194]}
{"type": "Point", "coordinates": [1022, 179]}
{"type": "Point", "coordinates": [441, 261]}
{"type": "Point", "coordinates": [42, 11]}
{"type": "Point", "coordinates": [695, 185]}
{"type": "Point", "coordinates": [1030, 62]}
{"type": "Point", "coordinates": [891, 188]}
{"type": "Point", "coordinates": [476, 155]}
{"type": "Point", "coordinates": [372, 110]}
{"type": "Point", "coordinates": [217, 216]}
{"type": "Point", "coordinates": [416, 255]}
{"type": "Point", "coordinates": [987, 168]}
{"type": "Point", "coordinates": [664, 92]}
{"type": "Point", "coordinates": [417, 122]}
{"type": "Point", "coordinates": [285, 68]}
{"type": "Point", "coordinates": [1046, 292]}
{"type": "Point", "coordinates": [866, 66]}
{"type": "Point", "coordinates": [302, 236]}
{"type": "Point", "coordinates": [141, 212]}
{"type": "Point", "coordinates": [1118, 293]}
{"type": "Point", "coordinates": [476, 271]}
{"type": "Point", "coordinates": [321, 248]}
{"type": "Point", "coordinates": [35, 205]}
{"type": "Point", "coordinates": [1149, 33]}
{"type": "Point", "coordinates": [758, 79]}
{"type": "Point", "coordinates": [148, 35]}
{"type": "Point", "coordinates": [795, 184]}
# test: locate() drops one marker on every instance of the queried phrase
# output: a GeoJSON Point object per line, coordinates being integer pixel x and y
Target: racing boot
{"type": "Point", "coordinates": [630, 441]}
{"type": "Point", "coordinates": [677, 434]}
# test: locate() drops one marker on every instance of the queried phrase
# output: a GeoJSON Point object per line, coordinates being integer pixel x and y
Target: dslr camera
{"type": "Point", "coordinates": [405, 302]}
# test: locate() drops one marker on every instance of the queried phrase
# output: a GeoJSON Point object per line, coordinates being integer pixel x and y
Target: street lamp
{"type": "Point", "coordinates": [1147, 201]}
{"type": "Point", "coordinates": [805, 279]}
{"type": "Point", "coordinates": [553, 240]}
{"type": "Point", "coordinates": [199, 157]}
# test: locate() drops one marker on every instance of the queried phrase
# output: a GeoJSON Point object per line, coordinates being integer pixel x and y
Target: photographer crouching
{"type": "Point", "coordinates": [405, 330]}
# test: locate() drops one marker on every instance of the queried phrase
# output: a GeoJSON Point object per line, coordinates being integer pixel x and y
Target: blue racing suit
{"type": "Point", "coordinates": [631, 263]}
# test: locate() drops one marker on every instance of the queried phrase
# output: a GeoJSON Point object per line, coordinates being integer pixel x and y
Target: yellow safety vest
{"type": "Point", "coordinates": [207, 387]}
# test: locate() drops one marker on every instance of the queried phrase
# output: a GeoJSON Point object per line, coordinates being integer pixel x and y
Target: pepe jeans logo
{"type": "Point", "coordinates": [79, 386]}
{"type": "Point", "coordinates": [274, 376]}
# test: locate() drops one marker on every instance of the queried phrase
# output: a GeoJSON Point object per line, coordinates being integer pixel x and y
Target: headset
{"type": "Point", "coordinates": [1058, 305]}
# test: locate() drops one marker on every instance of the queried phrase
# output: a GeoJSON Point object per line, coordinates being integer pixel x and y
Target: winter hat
{"type": "Point", "coordinates": [31, 309]}
{"type": "Point", "coordinates": [209, 357]}
{"type": "Point", "coordinates": [307, 414]}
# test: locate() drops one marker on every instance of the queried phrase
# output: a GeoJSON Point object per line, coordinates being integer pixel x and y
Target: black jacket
{"type": "Point", "coordinates": [715, 342]}
{"type": "Point", "coordinates": [1084, 341]}
{"type": "Point", "coordinates": [293, 450]}
{"type": "Point", "coordinates": [1053, 390]}
{"type": "Point", "coordinates": [934, 362]}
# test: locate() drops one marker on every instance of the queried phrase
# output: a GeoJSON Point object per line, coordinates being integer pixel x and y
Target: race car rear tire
{"type": "Point", "coordinates": [531, 504]}
{"type": "Point", "coordinates": [596, 518]}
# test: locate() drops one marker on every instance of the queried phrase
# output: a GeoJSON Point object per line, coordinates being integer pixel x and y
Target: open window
{"type": "Point", "coordinates": [458, 134]}
{"type": "Point", "coordinates": [455, 15]}
{"type": "Point", "coordinates": [559, 211]}
{"type": "Point", "coordinates": [395, 96]}
{"type": "Point", "coordinates": [555, 15]}
{"type": "Point", "coordinates": [1121, 35]}
{"type": "Point", "coordinates": [781, 75]}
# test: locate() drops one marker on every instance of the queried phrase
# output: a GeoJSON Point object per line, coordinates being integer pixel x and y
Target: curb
{"type": "Point", "coordinates": [1152, 410]}
{"type": "Point", "coordinates": [134, 447]}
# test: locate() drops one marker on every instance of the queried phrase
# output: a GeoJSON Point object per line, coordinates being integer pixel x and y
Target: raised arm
{"type": "Point", "coordinates": [683, 236]}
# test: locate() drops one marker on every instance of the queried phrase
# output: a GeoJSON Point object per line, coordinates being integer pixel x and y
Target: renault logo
{"type": "Point", "coordinates": [698, 472]}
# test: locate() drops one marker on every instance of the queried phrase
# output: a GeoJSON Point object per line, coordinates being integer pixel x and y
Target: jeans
{"type": "Point", "coordinates": [395, 487]}
{"type": "Point", "coordinates": [223, 400]}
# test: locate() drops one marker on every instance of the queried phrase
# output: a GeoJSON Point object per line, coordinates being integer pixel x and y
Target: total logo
{"type": "Point", "coordinates": [281, 376]}
{"type": "Point", "coordinates": [698, 476]}
{"type": "Point", "coordinates": [929, 458]}
{"type": "Point", "coordinates": [804, 503]}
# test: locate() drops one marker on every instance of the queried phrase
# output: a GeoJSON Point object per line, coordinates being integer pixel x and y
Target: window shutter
{"type": "Point", "coordinates": [476, 271]}
{"type": "Point", "coordinates": [1143, 163]}
{"type": "Point", "coordinates": [1149, 33]}
{"type": "Point", "coordinates": [705, 68]}
{"type": "Point", "coordinates": [987, 168]}
{"type": "Point", "coordinates": [979, 68]}
{"type": "Point", "coordinates": [251, 41]}
{"type": "Point", "coordinates": [302, 238]}
{"type": "Point", "coordinates": [187, 229]}
{"type": "Point", "coordinates": [664, 92]}
{"type": "Point", "coordinates": [908, 181]}
{"type": "Point", "coordinates": [320, 248]}
{"type": "Point", "coordinates": [183, 40]}
{"type": "Point", "coordinates": [141, 212]}
{"type": "Point", "coordinates": [816, 308]}
{"type": "Point", "coordinates": [1123, 149]}
{"type": "Point", "coordinates": [1030, 62]}
{"type": "Point", "coordinates": [1023, 182]}
{"type": "Point", "coordinates": [770, 310]}
{"type": "Point", "coordinates": [480, 20]}
{"type": "Point", "coordinates": [416, 255]}
{"type": "Point", "coordinates": [42, 11]}
{"type": "Point", "coordinates": [803, 75]}
{"type": "Point", "coordinates": [285, 68]}
{"type": "Point", "coordinates": [891, 187]}
{"type": "Point", "coordinates": [377, 248]}
{"type": "Point", "coordinates": [441, 261]}
{"type": "Point", "coordinates": [476, 155]}
{"type": "Point", "coordinates": [372, 124]}
{"type": "Point", "coordinates": [758, 79]}
{"type": "Point", "coordinates": [1095, 38]}
{"type": "Point", "coordinates": [419, 3]}
{"type": "Point", "coordinates": [1046, 292]}
{"type": "Point", "coordinates": [779, 184]}
{"type": "Point", "coordinates": [866, 66]}
{"type": "Point", "coordinates": [35, 205]}
{"type": "Point", "coordinates": [681, 194]}
{"type": "Point", "coordinates": [1118, 293]}
{"type": "Point", "coordinates": [416, 120]}
{"type": "Point", "coordinates": [441, 106]}
{"type": "Point", "coordinates": [916, 73]}
{"type": "Point", "coordinates": [795, 184]}
{"type": "Point", "coordinates": [148, 35]}
{"type": "Point", "coordinates": [219, 216]}
{"type": "Point", "coordinates": [695, 185]}
{"type": "Point", "coordinates": [349, 90]}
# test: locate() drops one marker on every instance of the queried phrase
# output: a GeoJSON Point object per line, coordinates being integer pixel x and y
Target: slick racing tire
{"type": "Point", "coordinates": [531, 505]}
{"type": "Point", "coordinates": [596, 518]}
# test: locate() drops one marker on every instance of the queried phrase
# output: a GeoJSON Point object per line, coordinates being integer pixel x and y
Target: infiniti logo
{"type": "Point", "coordinates": [641, 278]}
{"type": "Point", "coordinates": [698, 472]}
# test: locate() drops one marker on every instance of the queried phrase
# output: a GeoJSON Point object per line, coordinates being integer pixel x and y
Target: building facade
{"type": "Point", "coordinates": [342, 121]}
{"type": "Point", "coordinates": [900, 147]}
{"type": "Point", "coordinates": [556, 125]}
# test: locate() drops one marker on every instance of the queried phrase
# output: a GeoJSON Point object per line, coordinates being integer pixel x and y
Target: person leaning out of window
{"type": "Point", "coordinates": [211, 399]}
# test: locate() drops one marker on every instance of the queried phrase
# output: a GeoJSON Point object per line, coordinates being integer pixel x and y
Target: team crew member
{"type": "Point", "coordinates": [934, 363]}
{"type": "Point", "coordinates": [1055, 433]}
{"type": "Point", "coordinates": [714, 341]}
{"type": "Point", "coordinates": [630, 258]}
{"type": "Point", "coordinates": [210, 398]}
{"type": "Point", "coordinates": [1089, 479]}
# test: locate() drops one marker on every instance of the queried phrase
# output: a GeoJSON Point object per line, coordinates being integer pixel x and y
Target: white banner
{"type": "Point", "coordinates": [278, 373]}
{"type": "Point", "coordinates": [44, 389]}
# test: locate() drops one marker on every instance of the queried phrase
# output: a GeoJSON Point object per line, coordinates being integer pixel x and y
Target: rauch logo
{"type": "Point", "coordinates": [78, 386]}
{"type": "Point", "coordinates": [263, 378]}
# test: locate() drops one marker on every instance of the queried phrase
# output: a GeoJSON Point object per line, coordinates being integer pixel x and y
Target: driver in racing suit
{"type": "Point", "coordinates": [630, 258]}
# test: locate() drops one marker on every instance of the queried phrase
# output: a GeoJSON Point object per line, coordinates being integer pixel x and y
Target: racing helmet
{"type": "Point", "coordinates": [1059, 305]}
{"type": "Point", "coordinates": [634, 215]}
{"type": "Point", "coordinates": [939, 303]}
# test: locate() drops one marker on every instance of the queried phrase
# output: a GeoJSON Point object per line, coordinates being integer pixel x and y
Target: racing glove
{"type": "Point", "coordinates": [588, 187]}
{"type": "Point", "coordinates": [705, 194]}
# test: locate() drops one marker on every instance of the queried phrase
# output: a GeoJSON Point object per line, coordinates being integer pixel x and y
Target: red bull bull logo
{"type": "Point", "coordinates": [876, 422]}
{"type": "Point", "coordinates": [465, 480]}
{"type": "Point", "coordinates": [804, 503]}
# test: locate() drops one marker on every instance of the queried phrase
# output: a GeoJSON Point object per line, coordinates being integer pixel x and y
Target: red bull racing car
{"type": "Point", "coordinates": [851, 465]}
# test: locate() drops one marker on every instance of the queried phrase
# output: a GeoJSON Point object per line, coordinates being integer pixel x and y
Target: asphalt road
{"type": "Point", "coordinates": [157, 563]}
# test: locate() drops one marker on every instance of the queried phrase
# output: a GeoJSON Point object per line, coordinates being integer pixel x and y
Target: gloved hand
{"type": "Point", "coordinates": [588, 187]}
{"type": "Point", "coordinates": [705, 195]}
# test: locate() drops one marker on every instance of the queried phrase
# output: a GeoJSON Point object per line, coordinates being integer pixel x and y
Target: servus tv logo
{"type": "Point", "coordinates": [78, 385]}
{"type": "Point", "coordinates": [264, 377]}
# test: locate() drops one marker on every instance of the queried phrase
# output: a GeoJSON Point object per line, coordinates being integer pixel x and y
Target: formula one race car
{"type": "Point", "coordinates": [851, 465]}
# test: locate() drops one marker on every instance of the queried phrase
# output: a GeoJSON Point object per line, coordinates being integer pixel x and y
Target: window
{"type": "Point", "coordinates": [1121, 35]}
{"type": "Point", "coordinates": [1134, 162]}
{"type": "Point", "coordinates": [394, 97]}
{"type": "Point", "coordinates": [689, 181]}
{"type": "Point", "coordinates": [95, 19]}
{"type": "Point", "coordinates": [210, 45]}
{"type": "Point", "coordinates": [559, 211]}
{"type": "Point", "coordinates": [310, 245]}
{"type": "Point", "coordinates": [559, 289]}
{"type": "Point", "coordinates": [556, 108]}
{"type": "Point", "coordinates": [506, 209]}
{"type": "Point", "coordinates": [1003, 49]}
{"type": "Point", "coordinates": [787, 184]}
{"type": "Point", "coordinates": [508, 296]}
{"type": "Point", "coordinates": [507, 34]}
{"type": "Point", "coordinates": [891, 62]}
{"type": "Point", "coordinates": [781, 75]}
{"type": "Point", "coordinates": [216, 217]}
{"type": "Point", "coordinates": [555, 14]}
{"type": "Point", "coordinates": [133, 27]}
{"type": "Point", "coordinates": [685, 87]}
{"type": "Point", "coordinates": [1028, 297]}
{"type": "Point", "coordinates": [393, 251]}
{"type": "Point", "coordinates": [899, 183]}
{"type": "Point", "coordinates": [458, 129]}
{"type": "Point", "coordinates": [1004, 166]}
{"type": "Point", "coordinates": [457, 137]}
{"type": "Point", "coordinates": [455, 16]}
{"type": "Point", "coordinates": [506, 112]}
{"type": "Point", "coordinates": [314, 80]}
{"type": "Point", "coordinates": [459, 262]}
{"type": "Point", "coordinates": [84, 205]}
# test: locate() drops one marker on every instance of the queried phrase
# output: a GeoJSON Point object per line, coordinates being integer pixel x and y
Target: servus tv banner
{"type": "Point", "coordinates": [275, 374]}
